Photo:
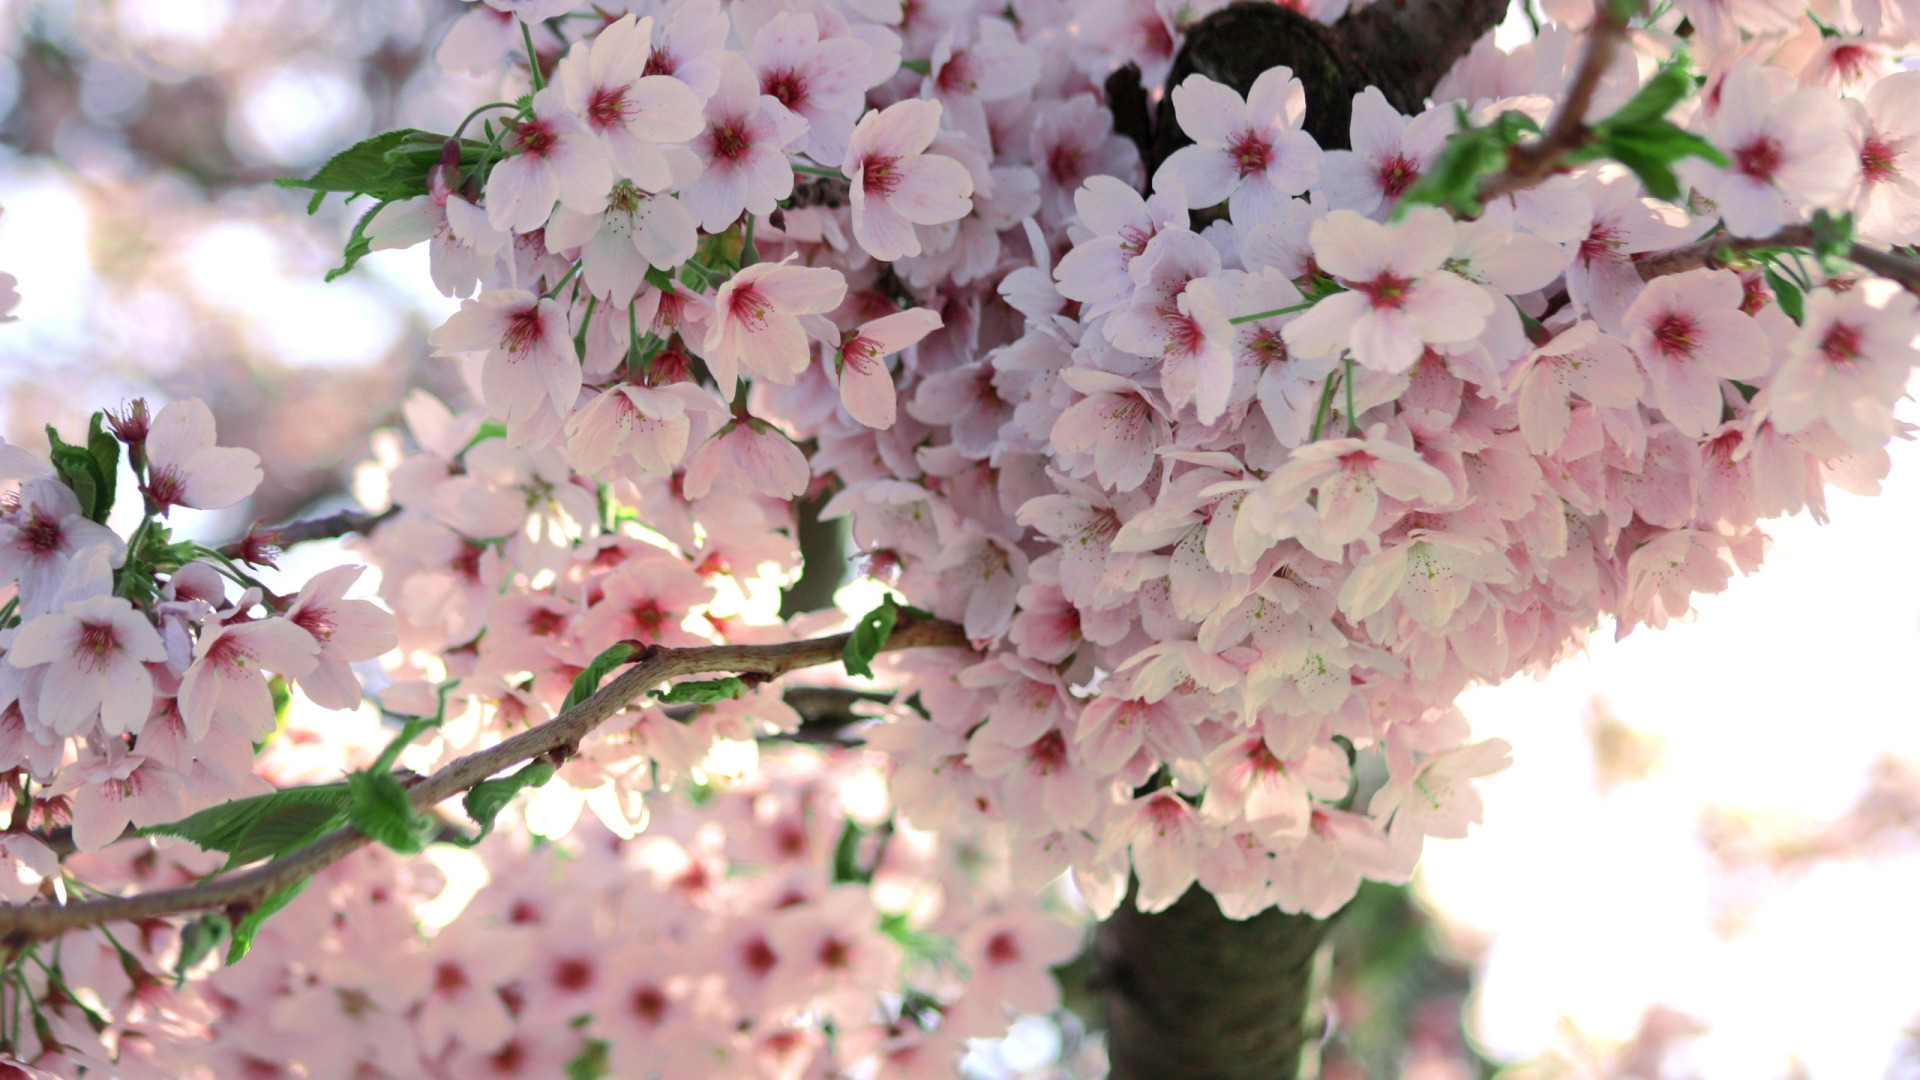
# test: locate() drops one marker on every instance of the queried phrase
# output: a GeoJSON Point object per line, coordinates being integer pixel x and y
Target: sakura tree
{"type": "Point", "coordinates": [1209, 397]}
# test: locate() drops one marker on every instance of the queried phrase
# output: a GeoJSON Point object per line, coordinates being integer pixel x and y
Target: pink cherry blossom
{"type": "Point", "coordinates": [1116, 423]}
{"type": "Point", "coordinates": [606, 86]}
{"type": "Point", "coordinates": [1250, 153]}
{"type": "Point", "coordinates": [109, 793]}
{"type": "Point", "coordinates": [1390, 153]}
{"type": "Point", "coordinates": [1689, 333]}
{"type": "Point", "coordinates": [821, 79]}
{"type": "Point", "coordinates": [185, 468]}
{"type": "Point", "coordinates": [748, 455]}
{"type": "Point", "coordinates": [1885, 132]}
{"type": "Point", "coordinates": [1349, 476]}
{"type": "Point", "coordinates": [529, 354]}
{"type": "Point", "coordinates": [95, 651]}
{"type": "Point", "coordinates": [895, 184]}
{"type": "Point", "coordinates": [1578, 361]}
{"type": "Point", "coordinates": [553, 158]}
{"type": "Point", "coordinates": [345, 630]}
{"type": "Point", "coordinates": [1785, 157]}
{"type": "Point", "coordinates": [39, 537]}
{"type": "Point", "coordinates": [618, 244]}
{"type": "Point", "coordinates": [1095, 272]}
{"type": "Point", "coordinates": [866, 387]}
{"type": "Point", "coordinates": [1399, 299]}
{"type": "Point", "coordinates": [1848, 364]}
{"type": "Point", "coordinates": [757, 328]}
{"type": "Point", "coordinates": [742, 151]}
{"type": "Point", "coordinates": [228, 682]}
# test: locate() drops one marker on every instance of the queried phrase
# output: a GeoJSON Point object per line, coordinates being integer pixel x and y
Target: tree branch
{"type": "Point", "coordinates": [1530, 163]}
{"type": "Point", "coordinates": [561, 735]}
{"type": "Point", "coordinates": [1712, 252]}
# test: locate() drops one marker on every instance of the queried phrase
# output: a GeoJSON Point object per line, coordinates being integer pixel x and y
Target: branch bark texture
{"type": "Point", "coordinates": [558, 736]}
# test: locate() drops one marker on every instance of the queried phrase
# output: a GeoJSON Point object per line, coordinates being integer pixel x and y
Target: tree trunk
{"type": "Point", "coordinates": [1193, 995]}
{"type": "Point", "coordinates": [1189, 993]}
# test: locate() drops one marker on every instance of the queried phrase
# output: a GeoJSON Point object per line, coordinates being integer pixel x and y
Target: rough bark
{"type": "Point", "coordinates": [1192, 994]}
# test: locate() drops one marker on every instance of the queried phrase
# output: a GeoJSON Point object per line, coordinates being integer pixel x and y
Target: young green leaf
{"type": "Point", "coordinates": [705, 692]}
{"type": "Point", "coordinates": [381, 810]}
{"type": "Point", "coordinates": [198, 939]}
{"type": "Point", "coordinates": [264, 826]}
{"type": "Point", "coordinates": [1453, 180]}
{"type": "Point", "coordinates": [588, 681]}
{"type": "Point", "coordinates": [1787, 294]}
{"type": "Point", "coordinates": [391, 165]}
{"type": "Point", "coordinates": [252, 921]}
{"type": "Point", "coordinates": [869, 636]}
{"type": "Point", "coordinates": [489, 797]}
{"type": "Point", "coordinates": [89, 471]}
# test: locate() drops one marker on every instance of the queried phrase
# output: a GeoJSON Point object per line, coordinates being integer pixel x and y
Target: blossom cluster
{"type": "Point", "coordinates": [134, 673]}
{"type": "Point", "coordinates": [1236, 474]}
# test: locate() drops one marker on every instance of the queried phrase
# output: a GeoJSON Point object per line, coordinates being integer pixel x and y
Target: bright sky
{"type": "Point", "coordinates": [1779, 696]}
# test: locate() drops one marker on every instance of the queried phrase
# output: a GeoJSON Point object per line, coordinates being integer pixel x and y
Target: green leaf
{"type": "Point", "coordinates": [869, 636]}
{"type": "Point", "coordinates": [1788, 295]}
{"type": "Point", "coordinates": [591, 1062]}
{"type": "Point", "coordinates": [1453, 180]}
{"type": "Point", "coordinates": [264, 826]}
{"type": "Point", "coordinates": [359, 245]}
{"type": "Point", "coordinates": [489, 797]}
{"type": "Point", "coordinates": [706, 692]}
{"type": "Point", "coordinates": [198, 939]}
{"type": "Point", "coordinates": [89, 471]}
{"type": "Point", "coordinates": [252, 921]}
{"type": "Point", "coordinates": [381, 810]}
{"type": "Point", "coordinates": [1656, 98]}
{"type": "Point", "coordinates": [391, 165]}
{"type": "Point", "coordinates": [846, 855]}
{"type": "Point", "coordinates": [588, 681]}
{"type": "Point", "coordinates": [1832, 241]}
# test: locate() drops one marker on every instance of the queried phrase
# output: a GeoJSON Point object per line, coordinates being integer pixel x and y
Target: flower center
{"type": "Point", "coordinates": [661, 62]}
{"type": "Point", "coordinates": [879, 175]}
{"type": "Point", "coordinates": [607, 108]}
{"type": "Point", "coordinates": [1876, 160]}
{"type": "Point", "coordinates": [41, 534]}
{"type": "Point", "coordinates": [749, 307]}
{"type": "Point", "coordinates": [98, 641]}
{"type": "Point", "coordinates": [1396, 175]}
{"type": "Point", "coordinates": [1003, 948]}
{"type": "Point", "coordinates": [166, 488]}
{"type": "Point", "coordinates": [1841, 345]}
{"type": "Point", "coordinates": [786, 87]}
{"type": "Point", "coordinates": [1675, 334]}
{"type": "Point", "coordinates": [1252, 153]}
{"type": "Point", "coordinates": [1048, 753]}
{"type": "Point", "coordinates": [523, 329]}
{"type": "Point", "coordinates": [1387, 290]}
{"type": "Point", "coordinates": [1759, 158]}
{"type": "Point", "coordinates": [730, 140]}
{"type": "Point", "coordinates": [535, 137]}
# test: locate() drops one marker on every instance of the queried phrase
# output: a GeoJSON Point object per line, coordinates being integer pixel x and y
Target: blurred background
{"type": "Point", "coordinates": [1703, 863]}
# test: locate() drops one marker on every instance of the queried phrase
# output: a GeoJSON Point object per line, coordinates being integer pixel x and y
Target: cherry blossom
{"type": "Point", "coordinates": [866, 389]}
{"type": "Point", "coordinates": [1689, 333]}
{"type": "Point", "coordinates": [895, 184]}
{"type": "Point", "coordinates": [1848, 364]}
{"type": "Point", "coordinates": [741, 150]}
{"type": "Point", "coordinates": [555, 158]}
{"type": "Point", "coordinates": [1249, 153]}
{"type": "Point", "coordinates": [1398, 299]}
{"type": "Point", "coordinates": [606, 85]}
{"type": "Point", "coordinates": [1790, 151]}
{"type": "Point", "coordinates": [757, 326]}
{"type": "Point", "coordinates": [185, 468]}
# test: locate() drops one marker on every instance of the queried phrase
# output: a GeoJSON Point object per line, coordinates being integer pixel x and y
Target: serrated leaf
{"type": "Point", "coordinates": [381, 810]}
{"type": "Point", "coordinates": [1657, 96]}
{"type": "Point", "coordinates": [487, 798]}
{"type": "Point", "coordinates": [79, 470]}
{"type": "Point", "coordinates": [391, 165]}
{"type": "Point", "coordinates": [588, 681]}
{"type": "Point", "coordinates": [703, 692]}
{"type": "Point", "coordinates": [252, 921]}
{"type": "Point", "coordinates": [263, 826]}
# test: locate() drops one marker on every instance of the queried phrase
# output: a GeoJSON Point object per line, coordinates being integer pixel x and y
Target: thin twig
{"type": "Point", "coordinates": [344, 523]}
{"type": "Point", "coordinates": [561, 735]}
{"type": "Point", "coordinates": [1530, 163]}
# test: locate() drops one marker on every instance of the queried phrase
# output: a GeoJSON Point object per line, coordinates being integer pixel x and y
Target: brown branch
{"type": "Point", "coordinates": [1713, 252]}
{"type": "Point", "coordinates": [274, 540]}
{"type": "Point", "coordinates": [561, 735]}
{"type": "Point", "coordinates": [1532, 162]}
